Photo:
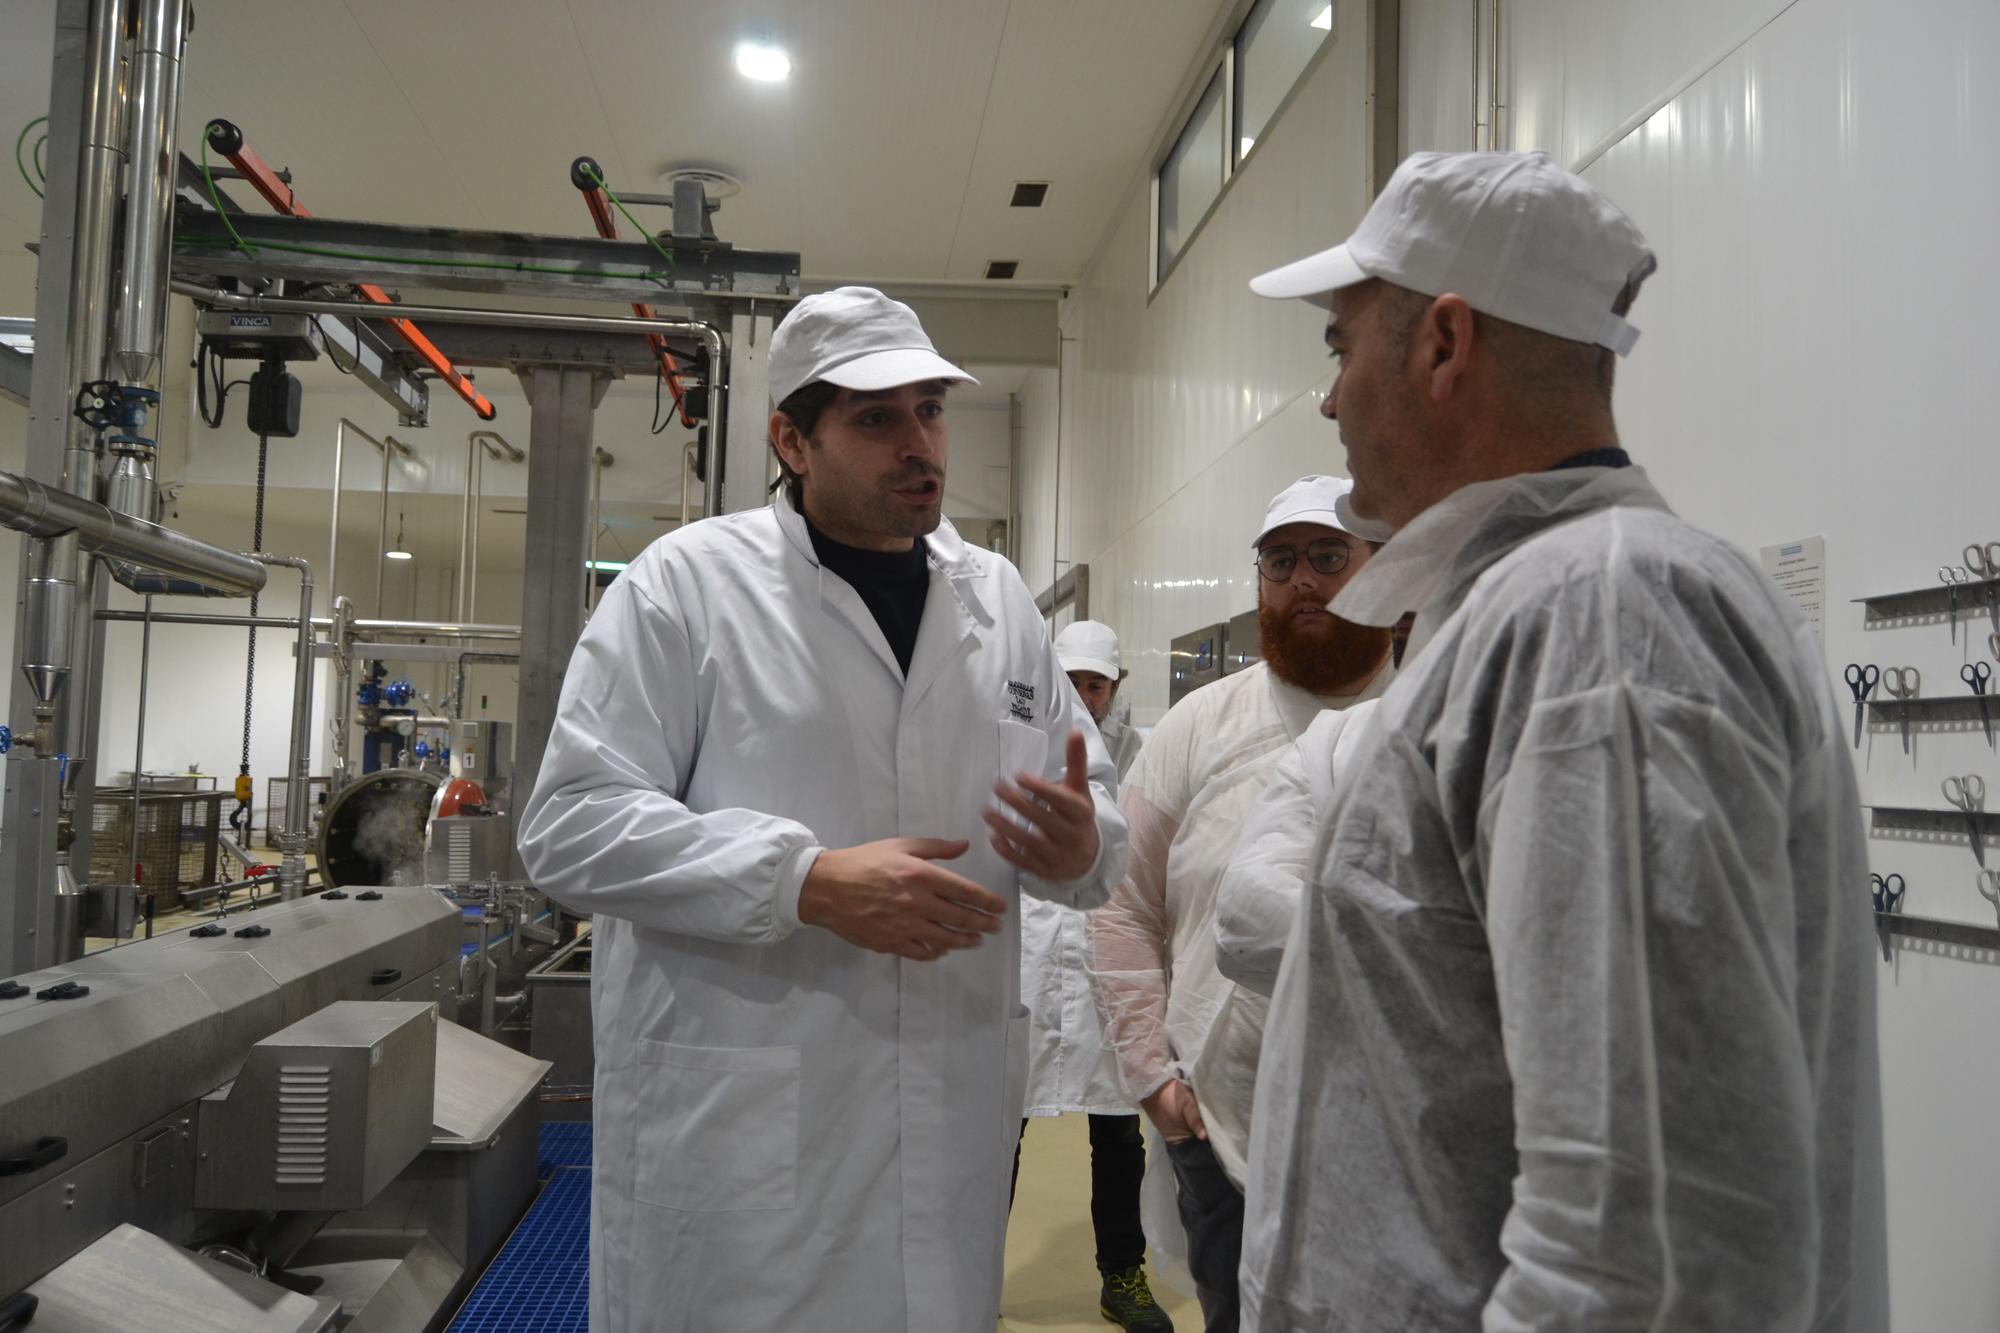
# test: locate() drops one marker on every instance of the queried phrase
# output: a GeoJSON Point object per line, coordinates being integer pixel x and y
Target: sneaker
{"type": "Point", "coordinates": [1128, 1302]}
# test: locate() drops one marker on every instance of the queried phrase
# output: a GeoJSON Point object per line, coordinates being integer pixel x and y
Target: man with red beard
{"type": "Point", "coordinates": [1187, 1038]}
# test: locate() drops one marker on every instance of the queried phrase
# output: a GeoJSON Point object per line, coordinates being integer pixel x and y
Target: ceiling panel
{"type": "Point", "coordinates": [887, 156]}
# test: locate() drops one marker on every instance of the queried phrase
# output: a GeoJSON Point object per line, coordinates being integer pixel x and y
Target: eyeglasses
{"type": "Point", "coordinates": [1329, 555]}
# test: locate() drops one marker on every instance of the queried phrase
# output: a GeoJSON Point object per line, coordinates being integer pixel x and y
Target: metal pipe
{"type": "Point", "coordinates": [26, 505]}
{"type": "Point", "coordinates": [687, 474]}
{"type": "Point", "coordinates": [1493, 88]}
{"type": "Point", "coordinates": [292, 846]}
{"type": "Point", "coordinates": [465, 524]}
{"type": "Point", "coordinates": [382, 533]}
{"type": "Point", "coordinates": [343, 704]}
{"type": "Point", "coordinates": [156, 79]}
{"type": "Point", "coordinates": [139, 741]}
{"type": "Point", "coordinates": [437, 629]}
{"type": "Point", "coordinates": [599, 460]}
{"type": "Point", "coordinates": [492, 444]}
{"type": "Point", "coordinates": [201, 618]}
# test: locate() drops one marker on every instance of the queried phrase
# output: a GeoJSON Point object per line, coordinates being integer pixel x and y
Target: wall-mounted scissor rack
{"type": "Point", "coordinates": [1907, 823]}
{"type": "Point", "coordinates": [1928, 606]}
{"type": "Point", "coordinates": [1959, 939]}
{"type": "Point", "coordinates": [1932, 712]}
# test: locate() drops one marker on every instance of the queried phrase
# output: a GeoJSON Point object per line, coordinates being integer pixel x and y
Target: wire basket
{"type": "Point", "coordinates": [177, 840]}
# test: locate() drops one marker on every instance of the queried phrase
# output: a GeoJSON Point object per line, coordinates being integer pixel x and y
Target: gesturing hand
{"type": "Point", "coordinates": [889, 897]}
{"type": "Point", "coordinates": [1059, 841]}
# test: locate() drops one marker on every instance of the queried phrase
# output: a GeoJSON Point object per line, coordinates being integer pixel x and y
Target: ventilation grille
{"type": "Point", "coordinates": [1029, 194]}
{"type": "Point", "coordinates": [1001, 268]}
{"type": "Point", "coordinates": [458, 854]}
{"type": "Point", "coordinates": [305, 1101]}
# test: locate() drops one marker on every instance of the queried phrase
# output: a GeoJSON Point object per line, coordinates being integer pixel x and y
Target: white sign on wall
{"type": "Point", "coordinates": [1800, 570]}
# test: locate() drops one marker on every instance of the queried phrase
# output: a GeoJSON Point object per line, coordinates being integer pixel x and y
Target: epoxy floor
{"type": "Point", "coordinates": [1051, 1273]}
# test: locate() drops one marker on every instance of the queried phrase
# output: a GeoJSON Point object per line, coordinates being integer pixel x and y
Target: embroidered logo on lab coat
{"type": "Point", "coordinates": [1021, 702]}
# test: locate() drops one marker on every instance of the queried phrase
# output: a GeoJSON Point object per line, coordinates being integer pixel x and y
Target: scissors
{"type": "Point", "coordinates": [1903, 683]}
{"type": "Point", "coordinates": [1969, 795]}
{"type": "Point", "coordinates": [1984, 563]}
{"type": "Point", "coordinates": [1977, 674]}
{"type": "Point", "coordinates": [1988, 884]}
{"type": "Point", "coordinates": [1951, 576]}
{"type": "Point", "coordinates": [1862, 681]}
{"type": "Point", "coordinates": [1887, 890]}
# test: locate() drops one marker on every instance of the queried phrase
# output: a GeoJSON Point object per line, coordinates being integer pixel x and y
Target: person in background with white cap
{"type": "Point", "coordinates": [1069, 1071]}
{"type": "Point", "coordinates": [779, 742]}
{"type": "Point", "coordinates": [1186, 1038]}
{"type": "Point", "coordinates": [1576, 1029]}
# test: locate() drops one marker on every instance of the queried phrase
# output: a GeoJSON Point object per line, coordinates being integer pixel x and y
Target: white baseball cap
{"type": "Point", "coordinates": [1321, 500]}
{"type": "Point", "coordinates": [857, 338]}
{"type": "Point", "coordinates": [1088, 645]}
{"type": "Point", "coordinates": [1517, 236]}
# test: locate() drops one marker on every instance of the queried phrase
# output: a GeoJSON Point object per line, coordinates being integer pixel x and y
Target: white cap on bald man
{"type": "Point", "coordinates": [1088, 645]}
{"type": "Point", "coordinates": [857, 338]}
{"type": "Point", "coordinates": [1513, 233]}
{"type": "Point", "coordinates": [1321, 500]}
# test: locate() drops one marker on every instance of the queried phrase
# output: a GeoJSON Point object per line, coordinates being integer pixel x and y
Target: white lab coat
{"type": "Point", "coordinates": [1576, 1030]}
{"type": "Point", "coordinates": [792, 1132]}
{"type": "Point", "coordinates": [1069, 1069]}
{"type": "Point", "coordinates": [1257, 901]}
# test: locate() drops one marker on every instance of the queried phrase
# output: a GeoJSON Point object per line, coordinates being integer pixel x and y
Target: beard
{"type": "Point", "coordinates": [1321, 656]}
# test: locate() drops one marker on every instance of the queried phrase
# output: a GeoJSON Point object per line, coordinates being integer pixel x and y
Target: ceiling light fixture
{"type": "Point", "coordinates": [1243, 151]}
{"type": "Point", "coordinates": [613, 565]}
{"type": "Point", "coordinates": [765, 63]}
{"type": "Point", "coordinates": [398, 551]}
{"type": "Point", "coordinates": [1324, 19]}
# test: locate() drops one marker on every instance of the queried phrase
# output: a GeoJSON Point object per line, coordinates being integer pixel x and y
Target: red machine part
{"type": "Point", "coordinates": [228, 140]}
{"type": "Point", "coordinates": [602, 218]}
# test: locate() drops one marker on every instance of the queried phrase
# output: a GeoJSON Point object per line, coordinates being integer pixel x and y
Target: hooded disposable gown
{"type": "Point", "coordinates": [1068, 1068]}
{"type": "Point", "coordinates": [793, 1132]}
{"type": "Point", "coordinates": [1577, 1031]}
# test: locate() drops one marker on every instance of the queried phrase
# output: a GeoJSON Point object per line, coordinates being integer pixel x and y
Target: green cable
{"type": "Point", "coordinates": [41, 170]}
{"type": "Point", "coordinates": [361, 257]}
{"type": "Point", "coordinates": [618, 203]}
{"type": "Point", "coordinates": [21, 166]}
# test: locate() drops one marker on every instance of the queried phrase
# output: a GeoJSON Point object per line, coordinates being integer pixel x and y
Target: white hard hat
{"type": "Point", "coordinates": [857, 338]}
{"type": "Point", "coordinates": [1088, 645]}
{"type": "Point", "coordinates": [1321, 500]}
{"type": "Point", "coordinates": [1517, 236]}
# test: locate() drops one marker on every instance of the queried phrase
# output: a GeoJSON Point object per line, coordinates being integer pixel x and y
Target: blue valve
{"type": "Point", "coordinates": [398, 693]}
{"type": "Point", "coordinates": [422, 750]}
{"type": "Point", "coordinates": [6, 738]}
{"type": "Point", "coordinates": [62, 772]}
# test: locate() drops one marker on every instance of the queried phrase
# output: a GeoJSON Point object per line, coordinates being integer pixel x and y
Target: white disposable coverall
{"type": "Point", "coordinates": [1577, 1031]}
{"type": "Point", "coordinates": [1153, 945]}
{"type": "Point", "coordinates": [793, 1132]}
{"type": "Point", "coordinates": [1258, 900]}
{"type": "Point", "coordinates": [1069, 1070]}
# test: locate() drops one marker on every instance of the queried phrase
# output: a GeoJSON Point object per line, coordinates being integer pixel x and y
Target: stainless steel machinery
{"type": "Point", "coordinates": [269, 1099]}
{"type": "Point", "coordinates": [1195, 659]}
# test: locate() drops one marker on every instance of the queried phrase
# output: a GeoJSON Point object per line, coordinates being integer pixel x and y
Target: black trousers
{"type": "Point", "coordinates": [1117, 1165]}
{"type": "Point", "coordinates": [1211, 1209]}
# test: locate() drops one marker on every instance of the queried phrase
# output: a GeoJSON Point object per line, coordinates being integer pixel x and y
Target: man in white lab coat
{"type": "Point", "coordinates": [1186, 1037]}
{"type": "Point", "coordinates": [779, 743]}
{"type": "Point", "coordinates": [1069, 1071]}
{"type": "Point", "coordinates": [1576, 1028]}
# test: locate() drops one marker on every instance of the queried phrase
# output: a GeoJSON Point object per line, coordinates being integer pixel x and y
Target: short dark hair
{"type": "Point", "coordinates": [803, 405]}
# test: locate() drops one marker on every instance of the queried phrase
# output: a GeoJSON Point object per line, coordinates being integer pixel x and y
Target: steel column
{"type": "Point", "coordinates": [743, 446]}
{"type": "Point", "coordinates": [32, 801]}
{"type": "Point", "coordinates": [561, 401]}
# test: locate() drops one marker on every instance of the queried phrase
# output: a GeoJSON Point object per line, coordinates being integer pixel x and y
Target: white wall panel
{"type": "Point", "coordinates": [1187, 408]}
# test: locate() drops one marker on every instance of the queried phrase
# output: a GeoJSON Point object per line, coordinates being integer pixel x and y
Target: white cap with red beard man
{"type": "Point", "coordinates": [1315, 541]}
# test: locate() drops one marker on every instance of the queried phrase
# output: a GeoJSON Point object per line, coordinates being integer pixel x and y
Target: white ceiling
{"type": "Point", "coordinates": [888, 156]}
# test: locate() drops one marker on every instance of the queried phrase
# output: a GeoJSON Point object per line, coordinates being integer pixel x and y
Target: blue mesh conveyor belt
{"type": "Point", "coordinates": [539, 1282]}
